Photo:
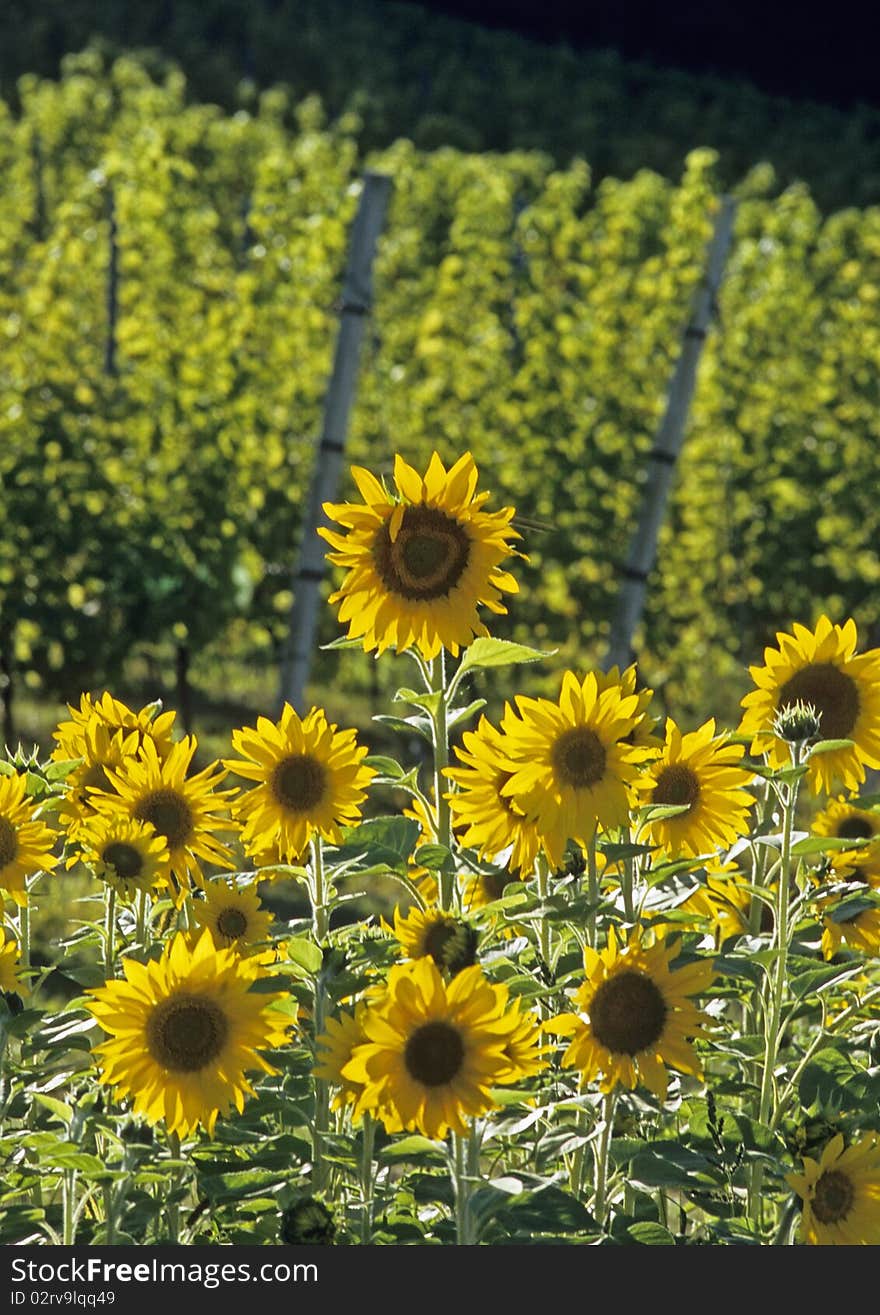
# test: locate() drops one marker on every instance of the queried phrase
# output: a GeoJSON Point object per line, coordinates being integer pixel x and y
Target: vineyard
{"type": "Point", "coordinates": [493, 938]}
{"type": "Point", "coordinates": [168, 286]}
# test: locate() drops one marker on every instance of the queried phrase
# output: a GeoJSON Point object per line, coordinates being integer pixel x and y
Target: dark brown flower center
{"type": "Point", "coordinates": [127, 861]}
{"type": "Point", "coordinates": [833, 1197]}
{"type": "Point", "coordinates": [628, 1013]}
{"type": "Point", "coordinates": [832, 693]}
{"type": "Point", "coordinates": [8, 842]}
{"type": "Point", "coordinates": [434, 1054]}
{"type": "Point", "coordinates": [578, 758]}
{"type": "Point", "coordinates": [677, 784]}
{"type": "Point", "coordinates": [299, 783]}
{"type": "Point", "coordinates": [169, 814]}
{"type": "Point", "coordinates": [437, 937]}
{"type": "Point", "coordinates": [186, 1033]}
{"type": "Point", "coordinates": [428, 557]}
{"type": "Point", "coordinates": [854, 828]}
{"type": "Point", "coordinates": [231, 923]}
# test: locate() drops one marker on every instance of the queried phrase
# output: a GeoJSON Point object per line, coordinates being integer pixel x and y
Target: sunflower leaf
{"type": "Point", "coordinates": [499, 653]}
{"type": "Point", "coordinates": [829, 746]}
{"type": "Point", "coordinates": [827, 844]}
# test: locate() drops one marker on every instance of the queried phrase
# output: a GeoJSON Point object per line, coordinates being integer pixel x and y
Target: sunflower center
{"type": "Point", "coordinates": [231, 923]}
{"type": "Point", "coordinates": [170, 815]}
{"type": "Point", "coordinates": [434, 1054]}
{"type": "Point", "coordinates": [833, 1197]}
{"type": "Point", "coordinates": [299, 782]}
{"type": "Point", "coordinates": [676, 785]}
{"type": "Point", "coordinates": [628, 1013]}
{"type": "Point", "coordinates": [437, 937]}
{"type": "Point", "coordinates": [125, 859]}
{"type": "Point", "coordinates": [8, 842]}
{"type": "Point", "coordinates": [186, 1033]}
{"type": "Point", "coordinates": [493, 883]}
{"type": "Point", "coordinates": [578, 758]}
{"type": "Point", "coordinates": [428, 557]}
{"type": "Point", "coordinates": [854, 828]}
{"type": "Point", "coordinates": [832, 693]}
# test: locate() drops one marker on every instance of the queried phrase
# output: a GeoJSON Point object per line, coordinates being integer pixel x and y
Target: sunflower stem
{"type": "Point", "coordinates": [68, 1207]}
{"type": "Point", "coordinates": [626, 881]}
{"type": "Point", "coordinates": [109, 930]}
{"type": "Point", "coordinates": [593, 890]}
{"type": "Point", "coordinates": [599, 1198]}
{"type": "Point", "coordinates": [142, 921]}
{"type": "Point", "coordinates": [368, 1138]}
{"type": "Point", "coordinates": [544, 942]}
{"type": "Point", "coordinates": [318, 892]}
{"type": "Point", "coordinates": [173, 1210]}
{"type": "Point", "coordinates": [24, 932]}
{"type": "Point", "coordinates": [466, 1161]}
{"type": "Point", "coordinates": [773, 1011]}
{"type": "Point", "coordinates": [440, 727]}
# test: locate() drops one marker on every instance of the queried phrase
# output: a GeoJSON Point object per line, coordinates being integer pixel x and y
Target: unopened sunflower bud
{"type": "Point", "coordinates": [307, 1222]}
{"type": "Point", "coordinates": [797, 722]}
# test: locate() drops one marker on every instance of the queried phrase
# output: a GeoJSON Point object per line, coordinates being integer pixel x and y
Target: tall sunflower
{"type": "Point", "coordinates": [183, 1032]}
{"type": "Point", "coordinates": [819, 668]}
{"type": "Point", "coordinates": [840, 1194]}
{"type": "Point", "coordinates": [309, 778]}
{"type": "Point", "coordinates": [26, 843]}
{"type": "Point", "coordinates": [234, 916]}
{"type": "Point", "coordinates": [99, 750]}
{"type": "Point", "coordinates": [127, 853]}
{"type": "Point", "coordinates": [187, 811]}
{"type": "Point", "coordinates": [842, 819]}
{"type": "Point", "coordinates": [433, 1052]}
{"type": "Point", "coordinates": [114, 716]}
{"type": "Point", "coordinates": [700, 771]}
{"type": "Point", "coordinates": [335, 1047]}
{"type": "Point", "coordinates": [634, 1016]}
{"type": "Point", "coordinates": [489, 820]}
{"type": "Point", "coordinates": [570, 766]}
{"type": "Point", "coordinates": [420, 561]}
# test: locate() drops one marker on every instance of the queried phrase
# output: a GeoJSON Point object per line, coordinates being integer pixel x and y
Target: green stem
{"type": "Point", "coordinates": [626, 881]}
{"type": "Point", "coordinates": [440, 727]}
{"type": "Point", "coordinates": [368, 1137]}
{"type": "Point", "coordinates": [592, 891]}
{"type": "Point", "coordinates": [466, 1161]}
{"type": "Point", "coordinates": [24, 933]}
{"type": "Point", "coordinates": [173, 1210]}
{"type": "Point", "coordinates": [68, 1207]}
{"type": "Point", "coordinates": [599, 1201]}
{"type": "Point", "coordinates": [109, 930]}
{"type": "Point", "coordinates": [318, 891]}
{"type": "Point", "coordinates": [544, 942]}
{"type": "Point", "coordinates": [142, 921]}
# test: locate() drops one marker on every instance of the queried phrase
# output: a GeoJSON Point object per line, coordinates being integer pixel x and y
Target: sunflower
{"type": "Point", "coordinates": [848, 922]}
{"type": "Point", "coordinates": [25, 842]}
{"type": "Point", "coordinates": [187, 811]}
{"type": "Point", "coordinates": [128, 854]}
{"type": "Point", "coordinates": [841, 1194]}
{"type": "Point", "coordinates": [421, 561]}
{"type": "Point", "coordinates": [183, 1032]}
{"type": "Point", "coordinates": [700, 771]}
{"type": "Point", "coordinates": [490, 821]}
{"type": "Point", "coordinates": [8, 960]}
{"type": "Point", "coordinates": [570, 766]}
{"type": "Point", "coordinates": [483, 888]}
{"type": "Point", "coordinates": [432, 1052]}
{"type": "Point", "coordinates": [450, 942]}
{"type": "Point", "coordinates": [234, 917]}
{"type": "Point", "coordinates": [643, 733]}
{"type": "Point", "coordinates": [819, 668]}
{"type": "Point", "coordinates": [99, 750]}
{"type": "Point", "coordinates": [634, 1016]}
{"type": "Point", "coordinates": [844, 820]}
{"type": "Point", "coordinates": [337, 1045]}
{"type": "Point", "coordinates": [310, 778]}
{"type": "Point", "coordinates": [114, 716]}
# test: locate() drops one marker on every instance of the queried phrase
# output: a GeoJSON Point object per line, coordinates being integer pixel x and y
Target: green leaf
{"type": "Point", "coordinates": [457, 715]}
{"type": "Point", "coordinates": [829, 746]}
{"type": "Point", "coordinates": [547, 1210]}
{"type": "Point", "coordinates": [499, 653]}
{"type": "Point", "coordinates": [828, 1083]}
{"type": "Point", "coordinates": [57, 1107]}
{"type": "Point", "coordinates": [413, 1148]}
{"type": "Point", "coordinates": [306, 954]}
{"type": "Point", "coordinates": [825, 844]}
{"type": "Point", "coordinates": [650, 1234]}
{"type": "Point", "coordinates": [434, 857]}
{"type": "Point", "coordinates": [385, 766]}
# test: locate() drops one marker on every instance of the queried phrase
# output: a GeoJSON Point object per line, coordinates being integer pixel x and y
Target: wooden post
{"type": "Point", "coordinates": [664, 454]}
{"type": "Point", "coordinates": [353, 309]}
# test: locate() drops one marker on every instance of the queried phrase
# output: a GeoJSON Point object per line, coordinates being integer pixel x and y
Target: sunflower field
{"type": "Point", "coordinates": [626, 991]}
